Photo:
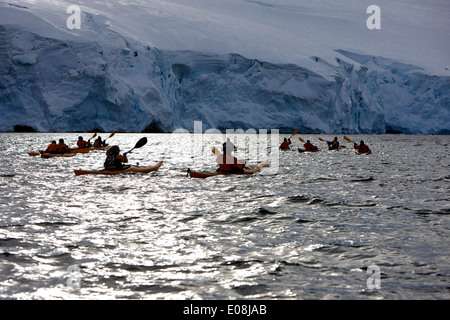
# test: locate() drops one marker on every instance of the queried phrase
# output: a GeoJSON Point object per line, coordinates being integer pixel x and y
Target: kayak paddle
{"type": "Point", "coordinates": [301, 140]}
{"type": "Point", "coordinates": [293, 133]}
{"type": "Point", "coordinates": [215, 151]}
{"type": "Point", "coordinates": [345, 138]}
{"type": "Point", "coordinates": [142, 142]}
{"type": "Point", "coordinates": [110, 136]}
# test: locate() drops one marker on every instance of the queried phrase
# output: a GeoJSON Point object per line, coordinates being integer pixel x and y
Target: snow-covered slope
{"type": "Point", "coordinates": [160, 65]}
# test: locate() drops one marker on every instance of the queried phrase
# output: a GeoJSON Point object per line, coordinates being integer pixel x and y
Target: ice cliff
{"type": "Point", "coordinates": [107, 79]}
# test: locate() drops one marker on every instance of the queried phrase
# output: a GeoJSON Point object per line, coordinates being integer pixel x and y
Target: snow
{"type": "Point", "coordinates": [139, 65]}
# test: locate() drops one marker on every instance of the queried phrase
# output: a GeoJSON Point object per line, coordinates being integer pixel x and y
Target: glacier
{"type": "Point", "coordinates": [152, 66]}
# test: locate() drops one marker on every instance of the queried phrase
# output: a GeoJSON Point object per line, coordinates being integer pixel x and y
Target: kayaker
{"type": "Point", "coordinates": [61, 147]}
{"type": "Point", "coordinates": [83, 144]}
{"type": "Point", "coordinates": [230, 145]}
{"type": "Point", "coordinates": [99, 142]}
{"type": "Point", "coordinates": [229, 163]}
{"type": "Point", "coordinates": [52, 148]}
{"type": "Point", "coordinates": [285, 144]}
{"type": "Point", "coordinates": [362, 148]}
{"type": "Point", "coordinates": [333, 145]}
{"type": "Point", "coordinates": [114, 160]}
{"type": "Point", "coordinates": [309, 146]}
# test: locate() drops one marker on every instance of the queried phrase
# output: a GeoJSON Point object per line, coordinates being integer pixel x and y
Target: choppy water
{"type": "Point", "coordinates": [312, 231]}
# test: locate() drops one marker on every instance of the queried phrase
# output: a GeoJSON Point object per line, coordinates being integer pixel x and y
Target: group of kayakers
{"type": "Point", "coordinates": [62, 147]}
{"type": "Point", "coordinates": [226, 161]}
{"type": "Point", "coordinates": [332, 145]}
{"type": "Point", "coordinates": [114, 160]}
{"type": "Point", "coordinates": [81, 143]}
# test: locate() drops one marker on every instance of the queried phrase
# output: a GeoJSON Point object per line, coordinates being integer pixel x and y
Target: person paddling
{"type": "Point", "coordinates": [230, 145]}
{"type": "Point", "coordinates": [285, 144]}
{"type": "Point", "coordinates": [114, 160]}
{"type": "Point", "coordinates": [309, 146]}
{"type": "Point", "coordinates": [83, 144]}
{"type": "Point", "coordinates": [362, 148]}
{"type": "Point", "coordinates": [333, 145]}
{"type": "Point", "coordinates": [229, 163]}
{"type": "Point", "coordinates": [52, 148]}
{"type": "Point", "coordinates": [99, 142]}
{"type": "Point", "coordinates": [61, 147]}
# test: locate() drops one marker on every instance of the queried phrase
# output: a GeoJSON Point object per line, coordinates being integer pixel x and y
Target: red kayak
{"type": "Point", "coordinates": [340, 147]}
{"type": "Point", "coordinates": [304, 150]}
{"type": "Point", "coordinates": [249, 170]}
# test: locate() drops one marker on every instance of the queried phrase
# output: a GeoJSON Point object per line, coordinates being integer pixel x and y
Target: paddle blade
{"type": "Point", "coordinates": [112, 135]}
{"type": "Point", "coordinates": [142, 142]}
{"type": "Point", "coordinates": [33, 154]}
{"type": "Point", "coordinates": [294, 133]}
{"type": "Point", "coordinates": [215, 151]}
{"type": "Point", "coordinates": [321, 139]}
{"type": "Point", "coordinates": [301, 140]}
{"type": "Point", "coordinates": [345, 138]}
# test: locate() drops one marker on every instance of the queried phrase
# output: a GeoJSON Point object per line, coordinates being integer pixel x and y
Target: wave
{"type": "Point", "coordinates": [311, 200]}
{"type": "Point", "coordinates": [363, 179]}
{"type": "Point", "coordinates": [428, 212]}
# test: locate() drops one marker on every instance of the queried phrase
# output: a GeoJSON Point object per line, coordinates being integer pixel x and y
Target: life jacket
{"type": "Point", "coordinates": [362, 149]}
{"type": "Point", "coordinates": [333, 145]}
{"type": "Point", "coordinates": [62, 148]}
{"type": "Point", "coordinates": [310, 147]}
{"type": "Point", "coordinates": [82, 144]}
{"type": "Point", "coordinates": [97, 143]}
{"type": "Point", "coordinates": [114, 161]}
{"type": "Point", "coordinates": [229, 164]}
{"type": "Point", "coordinates": [285, 145]}
{"type": "Point", "coordinates": [53, 148]}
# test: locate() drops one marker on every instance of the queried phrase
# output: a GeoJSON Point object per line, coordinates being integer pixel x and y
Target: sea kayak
{"type": "Point", "coordinates": [76, 150]}
{"type": "Point", "coordinates": [57, 155]}
{"type": "Point", "coordinates": [99, 148]}
{"type": "Point", "coordinates": [134, 169]}
{"type": "Point", "coordinates": [362, 153]}
{"type": "Point", "coordinates": [87, 149]}
{"type": "Point", "coordinates": [249, 170]}
{"type": "Point", "coordinates": [340, 147]}
{"type": "Point", "coordinates": [80, 150]}
{"type": "Point", "coordinates": [304, 150]}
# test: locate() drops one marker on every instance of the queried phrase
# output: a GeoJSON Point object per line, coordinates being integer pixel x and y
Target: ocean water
{"type": "Point", "coordinates": [329, 225]}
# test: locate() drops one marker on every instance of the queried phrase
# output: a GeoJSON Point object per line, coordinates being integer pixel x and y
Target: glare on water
{"type": "Point", "coordinates": [312, 230]}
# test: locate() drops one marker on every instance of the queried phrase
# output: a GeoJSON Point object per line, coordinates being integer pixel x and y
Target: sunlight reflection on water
{"type": "Point", "coordinates": [298, 234]}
